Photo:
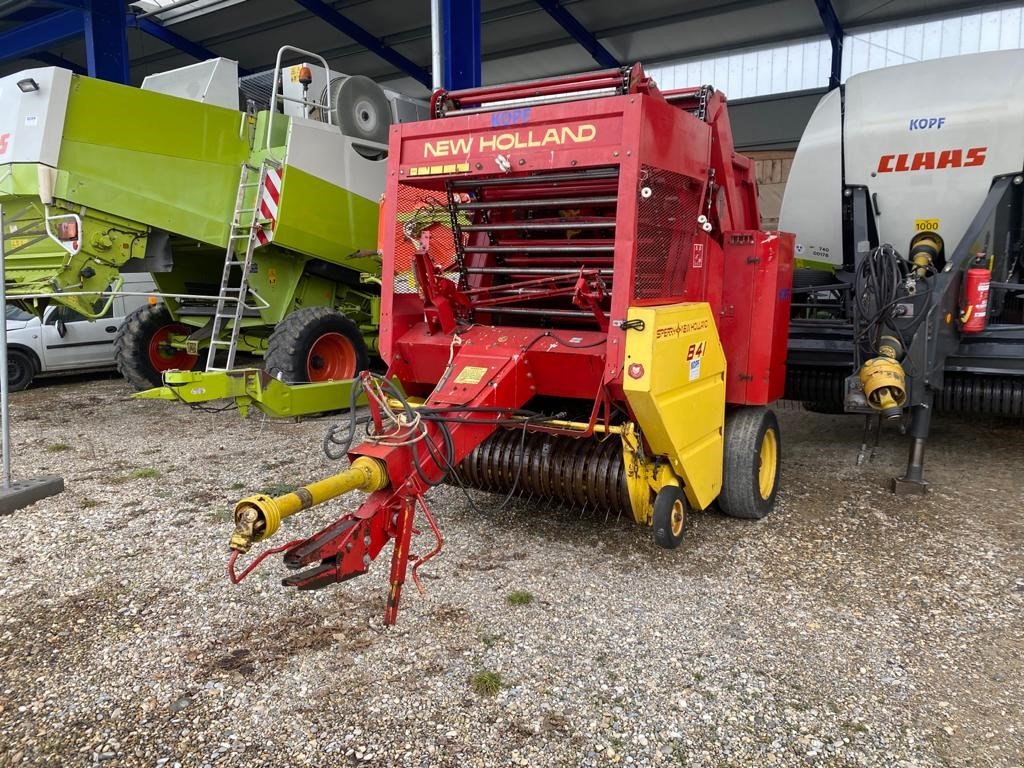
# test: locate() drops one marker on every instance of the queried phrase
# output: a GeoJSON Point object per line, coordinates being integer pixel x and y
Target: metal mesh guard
{"type": "Point", "coordinates": [431, 206]}
{"type": "Point", "coordinates": [667, 209]}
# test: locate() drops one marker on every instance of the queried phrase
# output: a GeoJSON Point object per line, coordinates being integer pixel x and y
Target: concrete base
{"type": "Point", "coordinates": [25, 492]}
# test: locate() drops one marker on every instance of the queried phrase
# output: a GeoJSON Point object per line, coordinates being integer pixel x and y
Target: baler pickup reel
{"type": "Point", "coordinates": [574, 312]}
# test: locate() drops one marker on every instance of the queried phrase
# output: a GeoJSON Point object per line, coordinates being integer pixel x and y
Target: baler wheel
{"type": "Point", "coordinates": [316, 344]}
{"type": "Point", "coordinates": [141, 350]}
{"type": "Point", "coordinates": [669, 517]}
{"type": "Point", "coordinates": [752, 462]}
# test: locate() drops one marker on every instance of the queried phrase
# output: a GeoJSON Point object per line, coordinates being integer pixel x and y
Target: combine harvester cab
{"type": "Point", "coordinates": [250, 221]}
{"type": "Point", "coordinates": [906, 196]}
{"type": "Point", "coordinates": [578, 305]}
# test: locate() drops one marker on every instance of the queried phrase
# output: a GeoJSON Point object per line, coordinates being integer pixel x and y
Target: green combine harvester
{"type": "Point", "coordinates": [259, 225]}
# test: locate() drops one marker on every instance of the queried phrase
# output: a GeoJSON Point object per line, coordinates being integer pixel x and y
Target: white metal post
{"type": "Point", "coordinates": [435, 43]}
{"type": "Point", "coordinates": [4, 406]}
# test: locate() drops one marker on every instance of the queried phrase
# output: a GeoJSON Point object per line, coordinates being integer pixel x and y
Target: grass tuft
{"type": "Point", "coordinates": [143, 473]}
{"type": "Point", "coordinates": [277, 489]}
{"type": "Point", "coordinates": [486, 683]}
{"type": "Point", "coordinates": [57, 447]}
{"type": "Point", "coordinates": [88, 504]}
{"type": "Point", "coordinates": [519, 597]}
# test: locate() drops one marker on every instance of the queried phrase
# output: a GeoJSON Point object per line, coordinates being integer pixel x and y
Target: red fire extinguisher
{"type": "Point", "coordinates": [974, 305]}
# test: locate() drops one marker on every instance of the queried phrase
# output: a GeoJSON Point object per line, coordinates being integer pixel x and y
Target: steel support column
{"type": "Point", "coordinates": [106, 40]}
{"type": "Point", "coordinates": [835, 35]}
{"type": "Point", "coordinates": [579, 33]}
{"type": "Point", "coordinates": [460, 33]}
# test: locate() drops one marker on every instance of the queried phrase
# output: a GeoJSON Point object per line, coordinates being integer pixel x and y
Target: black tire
{"type": "Point", "coordinates": [21, 369]}
{"type": "Point", "coordinates": [140, 358]}
{"type": "Point", "coordinates": [292, 350]}
{"type": "Point", "coordinates": [670, 515]}
{"type": "Point", "coordinates": [745, 436]}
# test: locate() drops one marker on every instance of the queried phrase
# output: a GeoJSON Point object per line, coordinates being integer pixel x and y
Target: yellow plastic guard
{"type": "Point", "coordinates": [674, 380]}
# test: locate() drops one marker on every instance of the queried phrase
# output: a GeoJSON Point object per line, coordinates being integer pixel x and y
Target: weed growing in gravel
{"type": "Point", "coordinates": [486, 683]}
{"type": "Point", "coordinates": [143, 473]}
{"type": "Point", "coordinates": [490, 641]}
{"type": "Point", "coordinates": [57, 447]}
{"type": "Point", "coordinates": [277, 489]}
{"type": "Point", "coordinates": [88, 504]}
{"type": "Point", "coordinates": [237, 486]}
{"type": "Point", "coordinates": [519, 597]}
{"type": "Point", "coordinates": [223, 515]}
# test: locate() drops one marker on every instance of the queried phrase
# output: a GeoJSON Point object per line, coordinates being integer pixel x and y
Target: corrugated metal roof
{"type": "Point", "coordinates": [519, 39]}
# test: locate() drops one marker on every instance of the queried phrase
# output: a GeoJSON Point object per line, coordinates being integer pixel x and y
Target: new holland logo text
{"type": "Point", "coordinates": [670, 331]}
{"type": "Point", "coordinates": [932, 161]}
{"type": "Point", "coordinates": [502, 142]}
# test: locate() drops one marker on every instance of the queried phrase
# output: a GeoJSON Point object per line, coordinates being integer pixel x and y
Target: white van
{"type": "Point", "coordinates": [64, 341]}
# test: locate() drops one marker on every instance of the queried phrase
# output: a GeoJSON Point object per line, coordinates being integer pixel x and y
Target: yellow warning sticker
{"type": "Point", "coordinates": [470, 375]}
{"type": "Point", "coordinates": [16, 243]}
{"type": "Point", "coordinates": [926, 225]}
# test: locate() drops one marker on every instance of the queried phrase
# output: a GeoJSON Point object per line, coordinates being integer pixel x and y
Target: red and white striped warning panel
{"type": "Point", "coordinates": [269, 201]}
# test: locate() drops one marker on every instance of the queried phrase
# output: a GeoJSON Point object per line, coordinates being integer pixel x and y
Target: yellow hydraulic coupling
{"type": "Point", "coordinates": [884, 385]}
{"type": "Point", "coordinates": [258, 517]}
{"type": "Point", "coordinates": [925, 250]}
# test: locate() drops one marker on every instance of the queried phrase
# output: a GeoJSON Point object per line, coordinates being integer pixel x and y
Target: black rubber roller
{"type": "Point", "coordinates": [581, 473]}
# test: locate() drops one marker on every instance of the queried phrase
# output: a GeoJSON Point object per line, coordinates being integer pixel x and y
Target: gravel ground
{"type": "Point", "coordinates": [850, 628]}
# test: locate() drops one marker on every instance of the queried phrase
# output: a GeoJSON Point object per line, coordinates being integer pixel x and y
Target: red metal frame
{"type": "Point", "coordinates": [557, 218]}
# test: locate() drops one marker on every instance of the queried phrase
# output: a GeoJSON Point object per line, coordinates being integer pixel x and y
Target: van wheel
{"type": "Point", "coordinates": [316, 344]}
{"type": "Point", "coordinates": [21, 370]}
{"type": "Point", "coordinates": [142, 351]}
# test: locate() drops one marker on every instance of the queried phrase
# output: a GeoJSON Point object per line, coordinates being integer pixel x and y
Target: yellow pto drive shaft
{"type": "Point", "coordinates": [258, 517]}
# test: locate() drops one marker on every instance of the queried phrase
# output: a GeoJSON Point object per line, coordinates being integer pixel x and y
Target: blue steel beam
{"type": "Point", "coordinates": [53, 60]}
{"type": "Point", "coordinates": [106, 40]}
{"type": "Point", "coordinates": [579, 33]}
{"type": "Point", "coordinates": [173, 39]}
{"type": "Point", "coordinates": [834, 28]}
{"type": "Point", "coordinates": [460, 44]}
{"type": "Point", "coordinates": [46, 32]}
{"type": "Point", "coordinates": [350, 29]}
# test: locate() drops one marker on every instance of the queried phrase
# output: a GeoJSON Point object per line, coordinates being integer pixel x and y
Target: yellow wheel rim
{"type": "Point", "coordinates": [678, 517]}
{"type": "Point", "coordinates": [769, 464]}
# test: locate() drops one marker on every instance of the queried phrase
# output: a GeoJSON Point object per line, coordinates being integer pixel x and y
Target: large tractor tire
{"type": "Point", "coordinates": [21, 369]}
{"type": "Point", "coordinates": [141, 350]}
{"type": "Point", "coordinates": [752, 465]}
{"type": "Point", "coordinates": [316, 344]}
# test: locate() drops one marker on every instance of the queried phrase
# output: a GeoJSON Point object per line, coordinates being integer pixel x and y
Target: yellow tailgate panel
{"type": "Point", "coordinates": [674, 380]}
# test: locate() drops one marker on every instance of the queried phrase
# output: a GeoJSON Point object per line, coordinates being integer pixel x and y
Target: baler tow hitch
{"type": "Point", "coordinates": [347, 547]}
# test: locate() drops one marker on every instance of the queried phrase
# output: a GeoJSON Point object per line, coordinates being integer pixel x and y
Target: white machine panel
{"type": "Point", "coordinates": [214, 81]}
{"type": "Point", "coordinates": [812, 202]}
{"type": "Point", "coordinates": [32, 123]}
{"type": "Point", "coordinates": [928, 137]}
{"type": "Point", "coordinates": [319, 150]}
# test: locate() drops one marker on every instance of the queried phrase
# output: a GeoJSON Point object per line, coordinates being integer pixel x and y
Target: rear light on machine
{"type": "Point", "coordinates": [67, 230]}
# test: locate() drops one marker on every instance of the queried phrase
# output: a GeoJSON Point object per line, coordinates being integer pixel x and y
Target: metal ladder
{"type": "Point", "coordinates": [245, 225]}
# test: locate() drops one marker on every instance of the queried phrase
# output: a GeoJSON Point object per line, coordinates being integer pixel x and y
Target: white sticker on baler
{"type": "Point", "coordinates": [695, 369]}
